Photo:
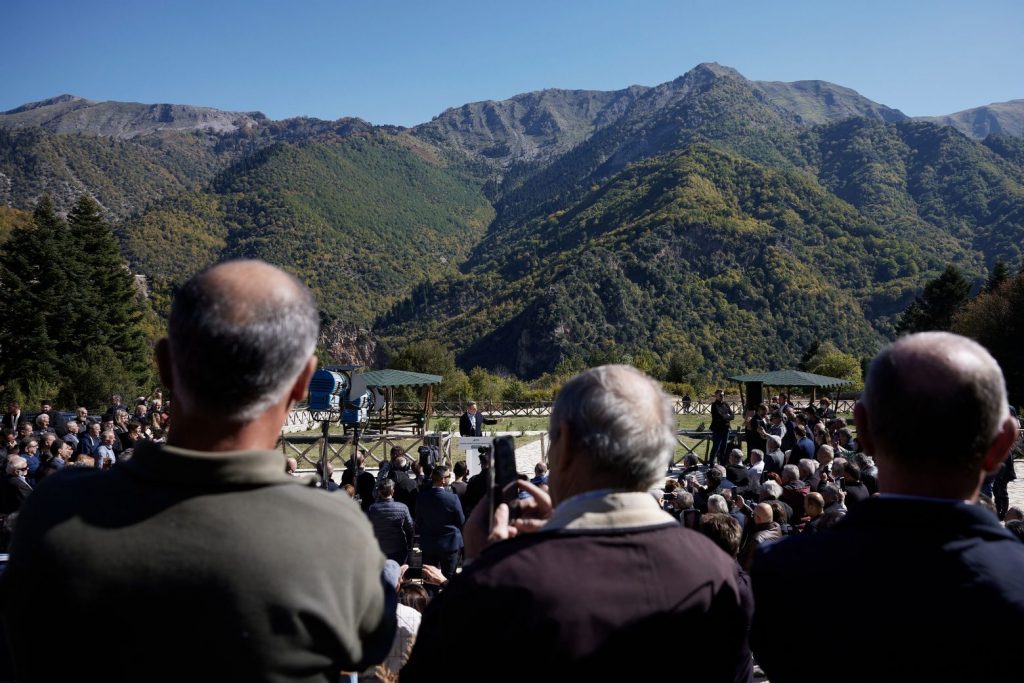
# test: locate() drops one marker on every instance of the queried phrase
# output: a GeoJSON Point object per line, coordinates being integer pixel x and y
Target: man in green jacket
{"type": "Point", "coordinates": [201, 558]}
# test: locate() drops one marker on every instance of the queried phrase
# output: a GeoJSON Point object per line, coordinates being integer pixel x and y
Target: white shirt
{"type": "Point", "coordinates": [106, 453]}
{"type": "Point", "coordinates": [754, 476]}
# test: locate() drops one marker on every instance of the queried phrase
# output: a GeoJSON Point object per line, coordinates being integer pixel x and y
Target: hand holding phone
{"type": "Point", "coordinates": [503, 475]}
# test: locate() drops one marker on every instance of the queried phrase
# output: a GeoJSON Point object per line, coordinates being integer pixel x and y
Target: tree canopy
{"type": "Point", "coordinates": [74, 328]}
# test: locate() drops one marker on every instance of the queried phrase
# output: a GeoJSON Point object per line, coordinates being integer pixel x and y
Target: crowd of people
{"type": "Point", "coordinates": [600, 569]}
{"type": "Point", "coordinates": [41, 444]}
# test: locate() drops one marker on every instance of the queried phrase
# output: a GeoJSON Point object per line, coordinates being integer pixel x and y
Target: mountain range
{"type": "Point", "coordinates": [729, 220]}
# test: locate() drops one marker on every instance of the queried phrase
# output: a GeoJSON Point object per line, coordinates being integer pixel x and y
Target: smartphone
{"type": "Point", "coordinates": [415, 569]}
{"type": "Point", "coordinates": [502, 474]}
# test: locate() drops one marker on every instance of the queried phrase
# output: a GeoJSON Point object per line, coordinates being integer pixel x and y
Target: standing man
{"type": "Point", "coordinates": [12, 417]}
{"type": "Point", "coordinates": [946, 571]}
{"type": "Point", "coordinates": [439, 520]}
{"type": "Point", "coordinates": [191, 545]}
{"type": "Point", "coordinates": [567, 586]}
{"type": "Point", "coordinates": [721, 416]}
{"type": "Point", "coordinates": [471, 423]}
{"type": "Point", "coordinates": [57, 422]}
{"type": "Point", "coordinates": [392, 524]}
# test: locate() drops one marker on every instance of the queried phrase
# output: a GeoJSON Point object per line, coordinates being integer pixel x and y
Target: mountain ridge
{"type": "Point", "coordinates": [793, 96]}
{"type": "Point", "coordinates": [674, 220]}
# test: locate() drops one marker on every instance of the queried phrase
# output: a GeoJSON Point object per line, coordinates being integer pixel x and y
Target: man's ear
{"type": "Point", "coordinates": [164, 364]}
{"type": "Point", "coordinates": [860, 420]}
{"type": "Point", "coordinates": [301, 386]}
{"type": "Point", "coordinates": [1000, 447]}
{"type": "Point", "coordinates": [558, 449]}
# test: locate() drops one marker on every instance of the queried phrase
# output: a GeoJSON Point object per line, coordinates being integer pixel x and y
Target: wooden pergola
{"type": "Point", "coordinates": [386, 381]}
{"type": "Point", "coordinates": [787, 379]}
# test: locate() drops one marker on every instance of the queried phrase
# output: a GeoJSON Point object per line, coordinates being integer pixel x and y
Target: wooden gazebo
{"type": "Point", "coordinates": [386, 381]}
{"type": "Point", "coordinates": [783, 379]}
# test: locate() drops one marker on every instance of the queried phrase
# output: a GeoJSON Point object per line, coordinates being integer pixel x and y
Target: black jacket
{"type": "Point", "coordinates": [947, 574]}
{"type": "Point", "coordinates": [467, 429]}
{"type": "Point", "coordinates": [721, 416]}
{"type": "Point", "coordinates": [565, 590]}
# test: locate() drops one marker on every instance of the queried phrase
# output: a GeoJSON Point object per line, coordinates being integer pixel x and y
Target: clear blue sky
{"type": "Point", "coordinates": [401, 62]}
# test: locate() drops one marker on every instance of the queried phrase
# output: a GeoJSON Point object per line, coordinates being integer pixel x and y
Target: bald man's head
{"type": "Point", "coordinates": [238, 337]}
{"type": "Point", "coordinates": [934, 379]}
{"type": "Point", "coordinates": [762, 513]}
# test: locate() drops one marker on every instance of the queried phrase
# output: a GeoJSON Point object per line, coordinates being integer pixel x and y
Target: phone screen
{"type": "Point", "coordinates": [503, 473]}
{"type": "Point", "coordinates": [415, 569]}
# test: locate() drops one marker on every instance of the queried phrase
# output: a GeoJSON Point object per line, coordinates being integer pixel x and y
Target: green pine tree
{"type": "Point", "coordinates": [935, 307]}
{"type": "Point", "coordinates": [107, 290]}
{"type": "Point", "coordinates": [1000, 274]}
{"type": "Point", "coordinates": [38, 320]}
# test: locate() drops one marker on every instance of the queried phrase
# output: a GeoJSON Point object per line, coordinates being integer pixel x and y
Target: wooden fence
{"type": "Point", "coordinates": [543, 408]}
{"type": "Point", "coordinates": [375, 447]}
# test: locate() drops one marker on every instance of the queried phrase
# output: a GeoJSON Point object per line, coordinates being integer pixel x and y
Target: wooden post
{"type": "Point", "coordinates": [427, 407]}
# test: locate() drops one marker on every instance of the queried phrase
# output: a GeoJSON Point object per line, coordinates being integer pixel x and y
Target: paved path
{"type": "Point", "coordinates": [1016, 487]}
{"type": "Point", "coordinates": [527, 457]}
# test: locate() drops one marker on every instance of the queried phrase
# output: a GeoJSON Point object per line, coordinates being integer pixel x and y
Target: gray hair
{"type": "Point", "coordinates": [15, 463]}
{"type": "Point", "coordinates": [774, 442]}
{"type": "Point", "coordinates": [831, 493]}
{"type": "Point", "coordinates": [236, 359]}
{"type": "Point", "coordinates": [790, 472]}
{"type": "Point", "coordinates": [771, 489]}
{"type": "Point", "coordinates": [684, 500]}
{"type": "Point", "coordinates": [756, 455]}
{"type": "Point", "coordinates": [735, 456]}
{"type": "Point", "coordinates": [863, 460]}
{"type": "Point", "coordinates": [620, 421]}
{"type": "Point", "coordinates": [809, 466]}
{"type": "Point", "coordinates": [716, 503]}
{"type": "Point", "coordinates": [938, 378]}
{"type": "Point", "coordinates": [829, 452]}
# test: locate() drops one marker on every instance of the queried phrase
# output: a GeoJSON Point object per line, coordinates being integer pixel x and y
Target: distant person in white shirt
{"type": "Point", "coordinates": [105, 457]}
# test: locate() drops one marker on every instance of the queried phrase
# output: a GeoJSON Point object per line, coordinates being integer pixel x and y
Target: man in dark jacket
{"type": "Point", "coordinates": [13, 417]}
{"type": "Point", "coordinates": [804, 446]}
{"type": "Point", "coordinates": [946, 572]}
{"type": "Point", "coordinates": [57, 421]}
{"type": "Point", "coordinates": [567, 587]}
{"type": "Point", "coordinates": [471, 423]}
{"type": "Point", "coordinates": [721, 416]}
{"type": "Point", "coordinates": [406, 488]}
{"type": "Point", "coordinates": [392, 524]}
{"type": "Point", "coordinates": [439, 521]}
{"type": "Point", "coordinates": [15, 485]}
{"type": "Point", "coordinates": [363, 481]}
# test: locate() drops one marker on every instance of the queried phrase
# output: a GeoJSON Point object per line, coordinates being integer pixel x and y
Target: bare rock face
{"type": "Point", "coordinates": [978, 123]}
{"type": "Point", "coordinates": [71, 114]}
{"type": "Point", "coordinates": [350, 346]}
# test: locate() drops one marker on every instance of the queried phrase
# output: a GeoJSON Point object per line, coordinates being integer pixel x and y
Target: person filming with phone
{"type": "Point", "coordinates": [573, 587]}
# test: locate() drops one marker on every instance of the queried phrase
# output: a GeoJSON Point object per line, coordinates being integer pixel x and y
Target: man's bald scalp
{"type": "Point", "coordinates": [239, 335]}
{"type": "Point", "coordinates": [940, 380]}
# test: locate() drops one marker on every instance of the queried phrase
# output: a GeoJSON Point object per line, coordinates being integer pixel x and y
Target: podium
{"type": "Point", "coordinates": [471, 444]}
